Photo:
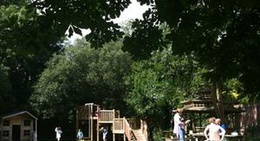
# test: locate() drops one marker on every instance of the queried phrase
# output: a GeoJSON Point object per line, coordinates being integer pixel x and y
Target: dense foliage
{"type": "Point", "coordinates": [5, 90]}
{"type": "Point", "coordinates": [76, 14]}
{"type": "Point", "coordinates": [26, 43]}
{"type": "Point", "coordinates": [159, 84]}
{"type": "Point", "coordinates": [223, 35]}
{"type": "Point", "coordinates": [82, 74]}
{"type": "Point", "coordinates": [217, 40]}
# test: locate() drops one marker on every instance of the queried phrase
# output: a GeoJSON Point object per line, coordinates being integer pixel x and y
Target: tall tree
{"type": "Point", "coordinates": [158, 84]}
{"type": "Point", "coordinates": [26, 42]}
{"type": "Point", "coordinates": [82, 74]}
{"type": "Point", "coordinates": [223, 35]}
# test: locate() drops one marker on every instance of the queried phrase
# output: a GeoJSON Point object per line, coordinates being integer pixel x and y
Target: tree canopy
{"type": "Point", "coordinates": [217, 40]}
{"type": "Point", "coordinates": [158, 85]}
{"type": "Point", "coordinates": [26, 43]}
{"type": "Point", "coordinates": [82, 74]}
{"type": "Point", "coordinates": [72, 15]}
{"type": "Point", "coordinates": [223, 35]}
{"type": "Point", "coordinates": [6, 98]}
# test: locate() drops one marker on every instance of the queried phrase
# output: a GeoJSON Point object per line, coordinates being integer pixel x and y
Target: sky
{"type": "Point", "coordinates": [134, 10]}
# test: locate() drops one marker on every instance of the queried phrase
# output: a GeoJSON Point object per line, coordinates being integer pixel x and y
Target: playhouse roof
{"type": "Point", "coordinates": [10, 115]}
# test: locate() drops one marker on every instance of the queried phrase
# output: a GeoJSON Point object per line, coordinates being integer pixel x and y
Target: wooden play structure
{"type": "Point", "coordinates": [91, 118]}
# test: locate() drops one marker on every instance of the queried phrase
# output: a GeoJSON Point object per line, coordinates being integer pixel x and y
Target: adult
{"type": "Point", "coordinates": [213, 130]}
{"type": "Point", "coordinates": [179, 124]}
{"type": "Point", "coordinates": [80, 135]}
{"type": "Point", "coordinates": [58, 133]}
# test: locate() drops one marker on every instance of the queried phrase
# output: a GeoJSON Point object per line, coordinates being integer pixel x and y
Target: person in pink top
{"type": "Point", "coordinates": [212, 131]}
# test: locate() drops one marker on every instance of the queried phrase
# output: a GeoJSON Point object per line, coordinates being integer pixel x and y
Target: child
{"type": "Point", "coordinates": [80, 135]}
{"type": "Point", "coordinates": [58, 133]}
{"type": "Point", "coordinates": [104, 133]}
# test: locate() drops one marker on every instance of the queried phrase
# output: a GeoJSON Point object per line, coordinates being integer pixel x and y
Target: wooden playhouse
{"type": "Point", "coordinates": [18, 126]}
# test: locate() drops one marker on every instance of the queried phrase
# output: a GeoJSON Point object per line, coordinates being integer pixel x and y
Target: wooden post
{"type": "Point", "coordinates": [36, 132]}
{"type": "Point", "coordinates": [91, 121]}
{"type": "Point", "coordinates": [124, 128]}
{"type": "Point", "coordinates": [98, 117]}
{"type": "Point", "coordinates": [114, 136]}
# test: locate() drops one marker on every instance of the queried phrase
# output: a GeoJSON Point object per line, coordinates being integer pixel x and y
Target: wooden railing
{"type": "Point", "coordinates": [106, 116]}
{"type": "Point", "coordinates": [118, 126]}
{"type": "Point", "coordinates": [127, 129]}
{"type": "Point", "coordinates": [121, 126]}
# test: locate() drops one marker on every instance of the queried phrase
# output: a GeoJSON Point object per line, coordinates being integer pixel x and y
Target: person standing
{"type": "Point", "coordinates": [218, 122]}
{"type": "Point", "coordinates": [179, 124]}
{"type": "Point", "coordinates": [104, 133]}
{"type": "Point", "coordinates": [212, 131]}
{"type": "Point", "coordinates": [58, 133]}
{"type": "Point", "coordinates": [80, 135]}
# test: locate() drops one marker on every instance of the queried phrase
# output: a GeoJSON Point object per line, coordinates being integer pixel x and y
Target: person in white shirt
{"type": "Point", "coordinates": [58, 133]}
{"type": "Point", "coordinates": [213, 130]}
{"type": "Point", "coordinates": [179, 125]}
{"type": "Point", "coordinates": [80, 135]}
{"type": "Point", "coordinates": [104, 133]}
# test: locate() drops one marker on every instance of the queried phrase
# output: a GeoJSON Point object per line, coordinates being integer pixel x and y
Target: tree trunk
{"type": "Point", "coordinates": [217, 100]}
